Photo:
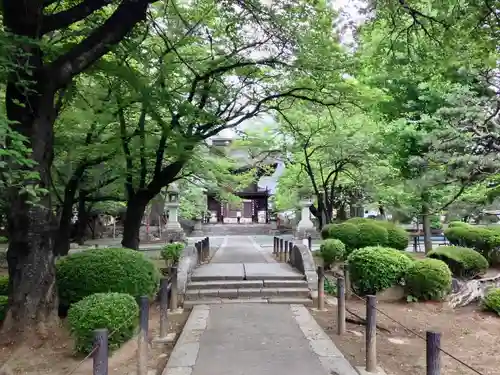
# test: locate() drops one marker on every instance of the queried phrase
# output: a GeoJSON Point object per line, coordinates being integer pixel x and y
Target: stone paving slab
{"type": "Point", "coordinates": [270, 271]}
{"type": "Point", "coordinates": [254, 339]}
{"type": "Point", "coordinates": [219, 271]}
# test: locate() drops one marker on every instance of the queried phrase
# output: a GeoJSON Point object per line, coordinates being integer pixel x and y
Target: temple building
{"type": "Point", "coordinates": [254, 207]}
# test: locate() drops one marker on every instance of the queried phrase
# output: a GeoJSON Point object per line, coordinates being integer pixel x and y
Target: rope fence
{"type": "Point", "coordinates": [344, 291]}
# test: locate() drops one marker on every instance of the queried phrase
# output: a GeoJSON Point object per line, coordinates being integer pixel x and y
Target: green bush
{"type": "Point", "coordinates": [428, 279]}
{"type": "Point", "coordinates": [331, 251]}
{"type": "Point", "coordinates": [373, 269]}
{"type": "Point", "coordinates": [172, 252]}
{"type": "Point", "coordinates": [3, 240]}
{"type": "Point", "coordinates": [454, 224]}
{"type": "Point", "coordinates": [4, 285]}
{"type": "Point", "coordinates": [462, 261]}
{"type": "Point", "coordinates": [359, 220]}
{"type": "Point", "coordinates": [345, 232]}
{"type": "Point", "coordinates": [118, 312]}
{"type": "Point", "coordinates": [397, 237]}
{"type": "Point", "coordinates": [372, 234]}
{"type": "Point", "coordinates": [4, 304]}
{"type": "Point", "coordinates": [491, 301]}
{"type": "Point", "coordinates": [105, 270]}
{"type": "Point", "coordinates": [484, 240]}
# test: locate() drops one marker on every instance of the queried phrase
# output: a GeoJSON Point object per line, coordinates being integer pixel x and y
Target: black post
{"type": "Point", "coordinates": [142, 347]}
{"type": "Point", "coordinates": [290, 252]}
{"type": "Point", "coordinates": [100, 356]}
{"type": "Point", "coordinates": [309, 242]}
{"type": "Point", "coordinates": [371, 334]}
{"type": "Point", "coordinates": [163, 307]}
{"type": "Point", "coordinates": [433, 344]}
{"type": "Point", "coordinates": [197, 245]}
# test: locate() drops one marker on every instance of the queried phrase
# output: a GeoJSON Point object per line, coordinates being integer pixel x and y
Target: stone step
{"type": "Point", "coordinates": [241, 284]}
{"type": "Point", "coordinates": [194, 294]}
{"type": "Point", "coordinates": [256, 277]}
{"type": "Point", "coordinates": [279, 300]}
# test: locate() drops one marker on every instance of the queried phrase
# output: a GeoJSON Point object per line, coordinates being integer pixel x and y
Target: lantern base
{"type": "Point", "coordinates": [174, 234]}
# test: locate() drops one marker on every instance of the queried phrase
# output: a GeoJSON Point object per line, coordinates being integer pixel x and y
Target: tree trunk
{"type": "Point", "coordinates": [63, 235]}
{"type": "Point", "coordinates": [426, 226]}
{"type": "Point", "coordinates": [83, 219]}
{"type": "Point", "coordinates": [136, 206]}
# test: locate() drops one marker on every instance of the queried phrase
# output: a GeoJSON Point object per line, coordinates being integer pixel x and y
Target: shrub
{"type": "Point", "coordinates": [4, 304]}
{"type": "Point", "coordinates": [373, 269]}
{"type": "Point", "coordinates": [3, 240]}
{"type": "Point", "coordinates": [428, 279]}
{"type": "Point", "coordinates": [331, 251]}
{"type": "Point", "coordinates": [491, 301]}
{"type": "Point", "coordinates": [454, 224]}
{"type": "Point", "coordinates": [462, 261]}
{"type": "Point", "coordinates": [345, 232]}
{"type": "Point", "coordinates": [397, 237]}
{"type": "Point", "coordinates": [172, 252]}
{"type": "Point", "coordinates": [372, 234]}
{"type": "Point", "coordinates": [484, 240]}
{"type": "Point", "coordinates": [105, 270]}
{"type": "Point", "coordinates": [359, 220]}
{"type": "Point", "coordinates": [118, 312]}
{"type": "Point", "coordinates": [4, 285]}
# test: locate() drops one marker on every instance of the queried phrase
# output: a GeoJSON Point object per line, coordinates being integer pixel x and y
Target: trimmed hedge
{"type": "Point", "coordinates": [428, 279]}
{"type": "Point", "coordinates": [4, 285]}
{"type": "Point", "coordinates": [4, 304]}
{"type": "Point", "coordinates": [484, 240]}
{"type": "Point", "coordinates": [105, 270]}
{"type": "Point", "coordinates": [118, 312]}
{"type": "Point", "coordinates": [454, 224]}
{"type": "Point", "coordinates": [372, 234]}
{"type": "Point", "coordinates": [331, 251]}
{"type": "Point", "coordinates": [397, 237]}
{"type": "Point", "coordinates": [346, 232]}
{"type": "Point", "coordinates": [491, 301]}
{"type": "Point", "coordinates": [462, 261]}
{"type": "Point", "coordinates": [374, 269]}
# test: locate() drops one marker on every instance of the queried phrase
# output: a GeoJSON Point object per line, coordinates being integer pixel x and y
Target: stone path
{"type": "Point", "coordinates": [252, 339]}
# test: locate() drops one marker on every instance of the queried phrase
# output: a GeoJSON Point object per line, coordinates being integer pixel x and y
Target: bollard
{"type": "Point", "coordinates": [321, 288]}
{"type": "Point", "coordinates": [163, 307]}
{"type": "Point", "coordinates": [433, 343]}
{"type": "Point", "coordinates": [371, 334]}
{"type": "Point", "coordinates": [100, 356]}
{"type": "Point", "coordinates": [198, 252]}
{"type": "Point", "coordinates": [207, 248]}
{"type": "Point", "coordinates": [347, 280]}
{"type": "Point", "coordinates": [275, 245]}
{"type": "Point", "coordinates": [173, 292]}
{"type": "Point", "coordinates": [280, 254]}
{"type": "Point", "coordinates": [415, 244]}
{"type": "Point", "coordinates": [142, 346]}
{"type": "Point", "coordinates": [340, 306]}
{"type": "Point", "coordinates": [309, 242]}
{"type": "Point", "coordinates": [290, 252]}
{"type": "Point", "coordinates": [285, 252]}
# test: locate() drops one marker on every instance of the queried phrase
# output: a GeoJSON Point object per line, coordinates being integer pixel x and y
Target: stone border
{"type": "Point", "coordinates": [330, 357]}
{"type": "Point", "coordinates": [302, 259]}
{"type": "Point", "coordinates": [185, 353]}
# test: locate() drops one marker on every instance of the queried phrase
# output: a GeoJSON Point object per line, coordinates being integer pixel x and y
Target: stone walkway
{"type": "Point", "coordinates": [253, 339]}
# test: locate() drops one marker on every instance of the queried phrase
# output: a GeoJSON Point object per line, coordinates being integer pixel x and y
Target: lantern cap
{"type": "Point", "coordinates": [173, 188]}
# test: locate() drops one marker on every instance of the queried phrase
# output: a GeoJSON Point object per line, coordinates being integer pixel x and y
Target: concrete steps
{"type": "Point", "coordinates": [277, 289]}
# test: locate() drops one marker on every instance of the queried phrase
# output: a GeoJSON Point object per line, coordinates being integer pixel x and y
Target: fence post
{"type": "Point", "coordinates": [173, 291]}
{"type": "Point", "coordinates": [347, 280]}
{"type": "Point", "coordinates": [340, 305]}
{"type": "Point", "coordinates": [100, 357]}
{"type": "Point", "coordinates": [371, 334]}
{"type": "Point", "coordinates": [206, 248]}
{"type": "Point", "coordinates": [198, 252]}
{"type": "Point", "coordinates": [285, 252]}
{"type": "Point", "coordinates": [163, 307]}
{"type": "Point", "coordinates": [280, 254]}
{"type": "Point", "coordinates": [275, 246]}
{"type": "Point", "coordinates": [142, 347]}
{"type": "Point", "coordinates": [290, 252]}
{"type": "Point", "coordinates": [433, 344]}
{"type": "Point", "coordinates": [321, 288]}
{"type": "Point", "coordinates": [309, 242]}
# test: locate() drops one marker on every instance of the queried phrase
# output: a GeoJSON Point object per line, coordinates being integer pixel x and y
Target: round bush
{"type": "Point", "coordinates": [373, 269]}
{"type": "Point", "coordinates": [331, 251]}
{"type": "Point", "coordinates": [4, 285]}
{"type": "Point", "coordinates": [397, 237]}
{"type": "Point", "coordinates": [491, 301]}
{"type": "Point", "coordinates": [4, 304]}
{"type": "Point", "coordinates": [105, 270]}
{"type": "Point", "coordinates": [345, 232]}
{"type": "Point", "coordinates": [454, 224]}
{"type": "Point", "coordinates": [359, 220]}
{"type": "Point", "coordinates": [462, 261]}
{"type": "Point", "coordinates": [118, 312]}
{"type": "Point", "coordinates": [428, 279]}
{"type": "Point", "coordinates": [372, 234]}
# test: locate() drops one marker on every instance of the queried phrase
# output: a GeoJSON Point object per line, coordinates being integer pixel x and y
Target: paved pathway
{"type": "Point", "coordinates": [253, 339]}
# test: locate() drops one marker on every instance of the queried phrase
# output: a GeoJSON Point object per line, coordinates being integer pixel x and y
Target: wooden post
{"type": "Point", "coordinates": [371, 334]}
{"type": "Point", "coordinates": [321, 288]}
{"type": "Point", "coordinates": [142, 346]}
{"type": "Point", "coordinates": [347, 280]}
{"type": "Point", "coordinates": [100, 356]}
{"type": "Point", "coordinates": [340, 306]}
{"type": "Point", "coordinates": [433, 344]}
{"type": "Point", "coordinates": [309, 242]}
{"type": "Point", "coordinates": [173, 291]}
{"type": "Point", "coordinates": [163, 307]}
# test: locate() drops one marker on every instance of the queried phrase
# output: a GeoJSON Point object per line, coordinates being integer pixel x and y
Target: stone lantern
{"type": "Point", "coordinates": [305, 227]}
{"type": "Point", "coordinates": [173, 230]}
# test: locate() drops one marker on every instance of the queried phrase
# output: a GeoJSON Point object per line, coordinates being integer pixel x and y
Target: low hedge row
{"type": "Point", "coordinates": [482, 239]}
{"type": "Point", "coordinates": [491, 301]}
{"type": "Point", "coordinates": [462, 261]}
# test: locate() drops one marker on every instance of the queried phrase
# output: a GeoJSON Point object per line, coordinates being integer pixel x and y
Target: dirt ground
{"type": "Point", "coordinates": [468, 333]}
{"type": "Point", "coordinates": [56, 356]}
